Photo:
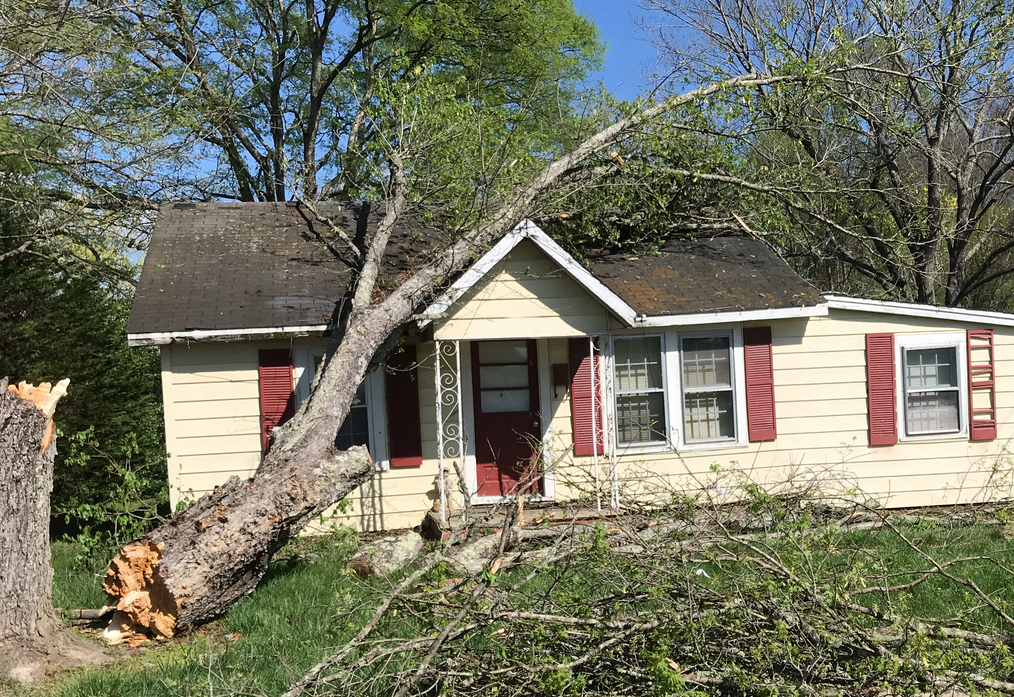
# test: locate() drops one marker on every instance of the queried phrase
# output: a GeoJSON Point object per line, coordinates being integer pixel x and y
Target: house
{"type": "Point", "coordinates": [636, 376]}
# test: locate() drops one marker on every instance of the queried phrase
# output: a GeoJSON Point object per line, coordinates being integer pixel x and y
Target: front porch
{"type": "Point", "coordinates": [511, 413]}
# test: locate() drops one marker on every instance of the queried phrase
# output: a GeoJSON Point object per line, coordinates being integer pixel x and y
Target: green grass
{"type": "Point", "coordinates": [305, 608]}
{"type": "Point", "coordinates": [300, 611]}
{"type": "Point", "coordinates": [938, 598]}
{"type": "Point", "coordinates": [77, 580]}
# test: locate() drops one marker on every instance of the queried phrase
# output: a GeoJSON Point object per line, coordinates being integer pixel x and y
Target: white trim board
{"type": "Point", "coordinates": [690, 320]}
{"type": "Point", "coordinates": [887, 307]}
{"type": "Point", "coordinates": [526, 229]}
{"type": "Point", "coordinates": [163, 338]}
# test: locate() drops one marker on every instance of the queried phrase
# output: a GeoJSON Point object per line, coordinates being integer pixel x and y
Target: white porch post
{"type": "Point", "coordinates": [450, 431]}
{"type": "Point", "coordinates": [596, 411]}
{"type": "Point", "coordinates": [606, 366]}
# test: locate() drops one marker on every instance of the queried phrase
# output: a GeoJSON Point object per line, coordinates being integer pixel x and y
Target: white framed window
{"type": "Point", "coordinates": [366, 423]}
{"type": "Point", "coordinates": [639, 385]}
{"type": "Point", "coordinates": [708, 387]}
{"type": "Point", "coordinates": [932, 385]}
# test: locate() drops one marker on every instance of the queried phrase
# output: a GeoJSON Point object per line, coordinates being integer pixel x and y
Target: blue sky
{"type": "Point", "coordinates": [628, 53]}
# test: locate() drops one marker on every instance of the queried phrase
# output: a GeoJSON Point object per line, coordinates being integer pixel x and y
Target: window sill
{"type": "Point", "coordinates": [933, 437]}
{"type": "Point", "coordinates": [713, 445]}
{"type": "Point", "coordinates": [625, 449]}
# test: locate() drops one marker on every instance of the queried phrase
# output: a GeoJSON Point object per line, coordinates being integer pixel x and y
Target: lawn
{"type": "Point", "coordinates": [308, 604]}
{"type": "Point", "coordinates": [305, 605]}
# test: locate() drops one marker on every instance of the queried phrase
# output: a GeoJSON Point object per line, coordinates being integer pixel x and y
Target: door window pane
{"type": "Point", "coordinates": [503, 376]}
{"type": "Point", "coordinates": [494, 401]}
{"type": "Point", "coordinates": [503, 352]}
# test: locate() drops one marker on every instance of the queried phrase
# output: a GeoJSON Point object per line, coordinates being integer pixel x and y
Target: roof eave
{"type": "Point", "coordinates": [704, 318]}
{"type": "Point", "coordinates": [888, 307]}
{"type": "Point", "coordinates": [164, 338]}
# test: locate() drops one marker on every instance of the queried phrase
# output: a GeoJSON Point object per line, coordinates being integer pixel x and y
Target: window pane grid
{"type": "Point", "coordinates": [356, 428]}
{"type": "Point", "coordinates": [640, 401]}
{"type": "Point", "coordinates": [932, 394]}
{"type": "Point", "coordinates": [708, 411]}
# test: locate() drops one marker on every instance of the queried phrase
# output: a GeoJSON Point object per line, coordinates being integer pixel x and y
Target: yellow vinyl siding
{"type": "Point", "coordinates": [213, 419]}
{"type": "Point", "coordinates": [212, 413]}
{"type": "Point", "coordinates": [820, 391]}
{"type": "Point", "coordinates": [526, 295]}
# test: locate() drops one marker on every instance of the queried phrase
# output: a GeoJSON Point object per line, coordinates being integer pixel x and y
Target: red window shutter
{"type": "Point", "coordinates": [278, 399]}
{"type": "Point", "coordinates": [404, 427]}
{"type": "Point", "coordinates": [880, 389]}
{"type": "Point", "coordinates": [585, 408]}
{"type": "Point", "coordinates": [760, 383]}
{"type": "Point", "coordinates": [981, 385]}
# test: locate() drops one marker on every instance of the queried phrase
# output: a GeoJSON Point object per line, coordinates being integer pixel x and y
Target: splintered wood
{"type": "Point", "coordinates": [44, 397]}
{"type": "Point", "coordinates": [144, 605]}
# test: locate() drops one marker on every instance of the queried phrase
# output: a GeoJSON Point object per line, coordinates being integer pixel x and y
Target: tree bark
{"type": "Point", "coordinates": [213, 553]}
{"type": "Point", "coordinates": [32, 637]}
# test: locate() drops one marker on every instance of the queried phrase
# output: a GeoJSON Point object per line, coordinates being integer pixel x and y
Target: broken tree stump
{"type": "Point", "coordinates": [213, 553]}
{"type": "Point", "coordinates": [32, 638]}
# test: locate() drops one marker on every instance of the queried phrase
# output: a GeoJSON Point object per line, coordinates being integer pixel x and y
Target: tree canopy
{"type": "Point", "coordinates": [891, 168]}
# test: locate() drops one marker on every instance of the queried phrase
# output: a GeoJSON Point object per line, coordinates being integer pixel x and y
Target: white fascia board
{"type": "Point", "coordinates": [887, 307]}
{"type": "Point", "coordinates": [479, 269]}
{"type": "Point", "coordinates": [597, 288]}
{"type": "Point", "coordinates": [528, 229]}
{"type": "Point", "coordinates": [701, 318]}
{"type": "Point", "coordinates": [163, 338]}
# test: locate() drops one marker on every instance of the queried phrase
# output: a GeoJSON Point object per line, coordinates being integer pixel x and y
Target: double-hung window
{"type": "Point", "coordinates": [708, 395]}
{"type": "Point", "coordinates": [640, 396]}
{"type": "Point", "coordinates": [355, 430]}
{"type": "Point", "coordinates": [931, 385]}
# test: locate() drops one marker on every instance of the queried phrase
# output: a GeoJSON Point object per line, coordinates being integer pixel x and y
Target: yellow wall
{"type": "Point", "coordinates": [820, 393]}
{"type": "Point", "coordinates": [212, 429]}
{"type": "Point", "coordinates": [212, 416]}
{"type": "Point", "coordinates": [527, 295]}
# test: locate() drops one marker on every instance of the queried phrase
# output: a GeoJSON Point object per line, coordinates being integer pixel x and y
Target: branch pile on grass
{"type": "Point", "coordinates": [809, 605]}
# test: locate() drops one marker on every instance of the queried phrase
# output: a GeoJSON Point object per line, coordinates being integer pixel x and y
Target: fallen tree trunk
{"type": "Point", "coordinates": [32, 637]}
{"type": "Point", "coordinates": [215, 552]}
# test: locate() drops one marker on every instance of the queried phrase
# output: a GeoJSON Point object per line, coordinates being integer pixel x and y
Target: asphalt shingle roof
{"type": "Point", "coordinates": [217, 266]}
{"type": "Point", "coordinates": [721, 274]}
{"type": "Point", "coordinates": [223, 266]}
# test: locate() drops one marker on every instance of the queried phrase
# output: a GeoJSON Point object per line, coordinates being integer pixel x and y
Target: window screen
{"type": "Point", "coordinates": [708, 412]}
{"type": "Point", "coordinates": [640, 402]}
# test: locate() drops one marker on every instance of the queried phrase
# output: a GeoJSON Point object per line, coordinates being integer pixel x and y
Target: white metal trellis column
{"type": "Point", "coordinates": [609, 431]}
{"type": "Point", "coordinates": [596, 416]}
{"type": "Point", "coordinates": [450, 431]}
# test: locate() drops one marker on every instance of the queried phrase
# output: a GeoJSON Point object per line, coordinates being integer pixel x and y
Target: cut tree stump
{"type": "Point", "coordinates": [32, 638]}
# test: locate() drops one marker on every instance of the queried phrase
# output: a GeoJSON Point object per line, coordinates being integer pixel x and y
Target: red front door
{"type": "Point", "coordinates": [505, 392]}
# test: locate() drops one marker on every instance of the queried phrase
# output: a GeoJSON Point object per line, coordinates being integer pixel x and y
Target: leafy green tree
{"type": "Point", "coordinates": [86, 143]}
{"type": "Point", "coordinates": [892, 163]}
{"type": "Point", "coordinates": [304, 100]}
{"type": "Point", "coordinates": [55, 324]}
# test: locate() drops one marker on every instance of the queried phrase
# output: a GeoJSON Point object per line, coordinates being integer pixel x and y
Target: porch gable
{"type": "Point", "coordinates": [525, 294]}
